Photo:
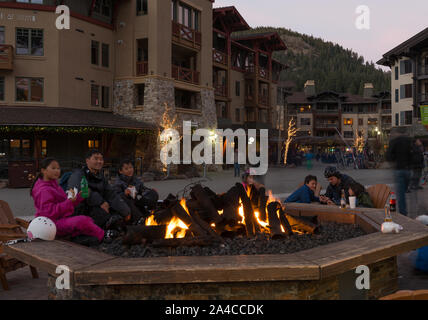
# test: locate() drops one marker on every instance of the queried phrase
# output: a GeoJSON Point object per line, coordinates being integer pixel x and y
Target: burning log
{"type": "Point", "coordinates": [181, 214]}
{"type": "Point", "coordinates": [198, 193]}
{"type": "Point", "coordinates": [303, 225]}
{"type": "Point", "coordinates": [250, 224]}
{"type": "Point", "coordinates": [205, 226]}
{"type": "Point", "coordinates": [138, 234]}
{"type": "Point", "coordinates": [284, 222]}
{"type": "Point", "coordinates": [185, 242]}
{"type": "Point", "coordinates": [262, 203]}
{"type": "Point", "coordinates": [230, 200]}
{"type": "Point", "coordinates": [274, 222]}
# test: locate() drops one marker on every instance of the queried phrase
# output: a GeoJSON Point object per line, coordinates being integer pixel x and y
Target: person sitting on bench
{"type": "Point", "coordinates": [132, 190]}
{"type": "Point", "coordinates": [306, 193]}
{"type": "Point", "coordinates": [104, 205]}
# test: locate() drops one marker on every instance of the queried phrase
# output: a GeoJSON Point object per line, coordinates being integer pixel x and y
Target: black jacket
{"type": "Point", "coordinates": [100, 191]}
{"type": "Point", "coordinates": [400, 152]}
{"type": "Point", "coordinates": [335, 192]}
{"type": "Point", "coordinates": [418, 157]}
{"type": "Point", "coordinates": [123, 182]}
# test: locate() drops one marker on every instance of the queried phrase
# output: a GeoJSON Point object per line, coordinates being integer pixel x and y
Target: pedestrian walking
{"type": "Point", "coordinates": [418, 164]}
{"type": "Point", "coordinates": [400, 153]}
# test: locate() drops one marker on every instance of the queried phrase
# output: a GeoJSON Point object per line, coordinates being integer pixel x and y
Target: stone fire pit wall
{"type": "Point", "coordinates": [324, 272]}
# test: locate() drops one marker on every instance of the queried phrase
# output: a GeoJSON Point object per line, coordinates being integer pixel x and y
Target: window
{"type": "Point", "coordinates": [2, 35]}
{"type": "Point", "coordinates": [372, 108]}
{"type": "Point", "coordinates": [93, 144]}
{"type": "Point", "coordinates": [29, 89]}
{"type": "Point", "coordinates": [95, 48]}
{"type": "Point", "coordinates": [237, 115]}
{"type": "Point", "coordinates": [406, 91]}
{"type": "Point", "coordinates": [305, 121]}
{"type": "Point", "coordinates": [396, 73]}
{"type": "Point", "coordinates": [348, 108]}
{"type": "Point", "coordinates": [360, 122]}
{"type": "Point", "coordinates": [348, 121]}
{"type": "Point", "coordinates": [238, 88]}
{"type": "Point", "coordinates": [185, 15]}
{"type": "Point", "coordinates": [372, 121]}
{"type": "Point", "coordinates": [141, 7]}
{"type": "Point", "coordinates": [103, 7]}
{"type": "Point", "coordinates": [105, 93]}
{"type": "Point", "coordinates": [139, 88]}
{"type": "Point", "coordinates": [360, 109]}
{"type": "Point", "coordinates": [1, 88]}
{"type": "Point", "coordinates": [408, 117]}
{"type": "Point", "coordinates": [105, 55]}
{"type": "Point", "coordinates": [405, 66]}
{"type": "Point", "coordinates": [95, 95]}
{"type": "Point", "coordinates": [44, 149]}
{"type": "Point", "coordinates": [348, 134]}
{"type": "Point", "coordinates": [29, 42]}
{"type": "Point", "coordinates": [396, 119]}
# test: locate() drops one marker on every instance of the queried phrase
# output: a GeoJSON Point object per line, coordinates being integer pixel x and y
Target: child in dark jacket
{"type": "Point", "coordinates": [134, 193]}
{"type": "Point", "coordinates": [52, 202]}
{"type": "Point", "coordinates": [363, 198]}
{"type": "Point", "coordinates": [306, 193]}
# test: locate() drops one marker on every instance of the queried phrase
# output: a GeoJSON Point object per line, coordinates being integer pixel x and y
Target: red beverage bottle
{"type": "Point", "coordinates": [392, 202]}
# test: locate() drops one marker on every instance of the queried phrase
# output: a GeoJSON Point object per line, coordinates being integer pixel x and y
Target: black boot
{"type": "Point", "coordinates": [110, 235]}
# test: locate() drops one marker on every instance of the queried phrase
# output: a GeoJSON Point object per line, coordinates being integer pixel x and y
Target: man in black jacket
{"type": "Point", "coordinates": [418, 163]}
{"type": "Point", "coordinates": [338, 182]}
{"type": "Point", "coordinates": [400, 152]}
{"type": "Point", "coordinates": [104, 205]}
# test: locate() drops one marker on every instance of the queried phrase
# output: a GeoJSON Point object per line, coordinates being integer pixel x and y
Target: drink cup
{"type": "Point", "coordinates": [352, 202]}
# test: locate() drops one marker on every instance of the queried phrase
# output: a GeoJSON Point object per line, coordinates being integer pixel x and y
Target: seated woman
{"type": "Point", "coordinates": [363, 198]}
{"type": "Point", "coordinates": [306, 193]}
{"type": "Point", "coordinates": [51, 201]}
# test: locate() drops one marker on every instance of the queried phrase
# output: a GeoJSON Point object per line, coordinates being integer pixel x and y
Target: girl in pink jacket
{"type": "Point", "coordinates": [51, 201]}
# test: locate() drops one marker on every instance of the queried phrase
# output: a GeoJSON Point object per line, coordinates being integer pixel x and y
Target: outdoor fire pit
{"type": "Point", "coordinates": [179, 254]}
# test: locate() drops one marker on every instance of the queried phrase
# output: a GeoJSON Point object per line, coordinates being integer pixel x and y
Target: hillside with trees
{"type": "Point", "coordinates": [330, 65]}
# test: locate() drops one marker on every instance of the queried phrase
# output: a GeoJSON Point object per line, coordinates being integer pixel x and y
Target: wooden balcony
{"type": "Point", "coordinates": [219, 57]}
{"type": "Point", "coordinates": [184, 74]}
{"type": "Point", "coordinates": [6, 57]}
{"type": "Point", "coordinates": [142, 68]}
{"type": "Point", "coordinates": [220, 90]}
{"type": "Point", "coordinates": [264, 100]}
{"type": "Point", "coordinates": [386, 111]}
{"type": "Point", "coordinates": [423, 70]}
{"type": "Point", "coordinates": [186, 36]}
{"type": "Point", "coordinates": [263, 73]}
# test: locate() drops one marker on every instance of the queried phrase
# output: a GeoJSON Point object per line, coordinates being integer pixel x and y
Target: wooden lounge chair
{"type": "Point", "coordinates": [407, 295]}
{"type": "Point", "coordinates": [379, 194]}
{"type": "Point", "coordinates": [10, 229]}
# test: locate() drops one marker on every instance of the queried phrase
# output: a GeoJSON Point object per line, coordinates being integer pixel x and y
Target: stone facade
{"type": "Point", "coordinates": [383, 281]}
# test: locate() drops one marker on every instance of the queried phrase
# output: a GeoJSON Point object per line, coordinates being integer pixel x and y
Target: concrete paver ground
{"type": "Point", "coordinates": [279, 180]}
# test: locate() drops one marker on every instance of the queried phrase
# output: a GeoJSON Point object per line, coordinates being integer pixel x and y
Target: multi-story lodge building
{"type": "Point", "coordinates": [105, 82]}
{"type": "Point", "coordinates": [330, 118]}
{"type": "Point", "coordinates": [409, 80]}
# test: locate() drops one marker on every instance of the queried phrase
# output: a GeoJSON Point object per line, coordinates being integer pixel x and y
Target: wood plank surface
{"type": "Point", "coordinates": [347, 255]}
{"type": "Point", "coordinates": [199, 269]}
{"type": "Point", "coordinates": [47, 255]}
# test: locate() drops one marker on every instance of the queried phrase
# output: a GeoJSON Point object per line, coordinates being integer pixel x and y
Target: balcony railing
{"type": "Point", "coordinates": [220, 90]}
{"type": "Point", "coordinates": [219, 57]}
{"type": "Point", "coordinates": [181, 32]}
{"type": "Point", "coordinates": [6, 57]}
{"type": "Point", "coordinates": [326, 125]}
{"type": "Point", "coordinates": [142, 68]}
{"type": "Point", "coordinates": [264, 73]}
{"type": "Point", "coordinates": [264, 100]}
{"type": "Point", "coordinates": [386, 111]}
{"type": "Point", "coordinates": [423, 97]}
{"type": "Point", "coordinates": [184, 74]}
{"type": "Point", "coordinates": [423, 70]}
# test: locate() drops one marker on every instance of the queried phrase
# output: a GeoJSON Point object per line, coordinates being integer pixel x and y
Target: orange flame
{"type": "Point", "coordinates": [175, 223]}
{"type": "Point", "coordinates": [151, 221]}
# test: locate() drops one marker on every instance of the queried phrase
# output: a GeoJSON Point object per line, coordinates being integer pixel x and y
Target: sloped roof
{"type": "Point", "coordinates": [54, 116]}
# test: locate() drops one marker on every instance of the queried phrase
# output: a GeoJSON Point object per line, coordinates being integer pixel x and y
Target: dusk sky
{"type": "Point", "coordinates": [391, 21]}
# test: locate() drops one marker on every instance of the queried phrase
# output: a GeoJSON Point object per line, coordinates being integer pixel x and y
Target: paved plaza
{"type": "Point", "coordinates": [281, 181]}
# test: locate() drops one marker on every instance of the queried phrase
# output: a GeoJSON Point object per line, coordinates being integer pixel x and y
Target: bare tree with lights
{"type": "Point", "coordinates": [291, 133]}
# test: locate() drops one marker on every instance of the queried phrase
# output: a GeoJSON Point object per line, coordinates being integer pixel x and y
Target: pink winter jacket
{"type": "Point", "coordinates": [51, 201]}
